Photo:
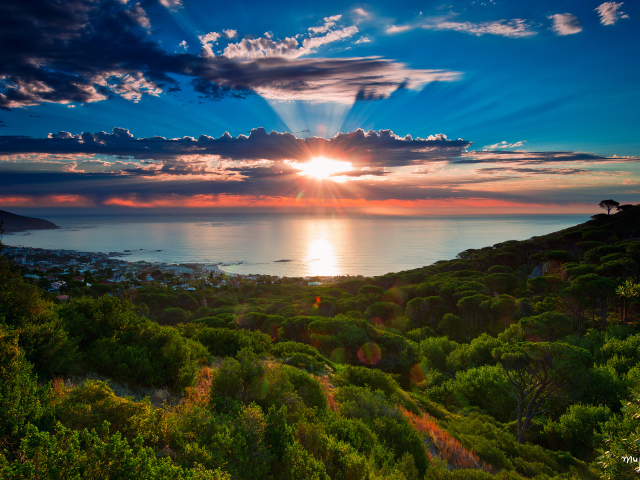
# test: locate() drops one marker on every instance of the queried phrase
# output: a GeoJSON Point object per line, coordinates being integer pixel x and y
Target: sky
{"type": "Point", "coordinates": [402, 108]}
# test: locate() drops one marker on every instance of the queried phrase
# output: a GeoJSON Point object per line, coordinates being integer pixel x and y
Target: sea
{"type": "Point", "coordinates": [289, 245]}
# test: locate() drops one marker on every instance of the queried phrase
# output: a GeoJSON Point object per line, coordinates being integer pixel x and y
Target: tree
{"type": "Point", "coordinates": [538, 372]}
{"type": "Point", "coordinates": [627, 291]}
{"type": "Point", "coordinates": [371, 292]}
{"type": "Point", "coordinates": [624, 208]}
{"type": "Point", "coordinates": [471, 306]}
{"type": "Point", "coordinates": [501, 283]}
{"type": "Point", "coordinates": [608, 205]}
{"type": "Point", "coordinates": [597, 288]}
{"type": "Point", "coordinates": [550, 326]}
{"type": "Point", "coordinates": [501, 307]}
{"type": "Point", "coordinates": [420, 309]}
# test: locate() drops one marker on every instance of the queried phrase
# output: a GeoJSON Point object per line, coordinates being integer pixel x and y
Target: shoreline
{"type": "Point", "coordinates": [64, 259]}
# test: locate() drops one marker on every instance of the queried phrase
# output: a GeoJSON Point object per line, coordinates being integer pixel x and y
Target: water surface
{"type": "Point", "coordinates": [290, 245]}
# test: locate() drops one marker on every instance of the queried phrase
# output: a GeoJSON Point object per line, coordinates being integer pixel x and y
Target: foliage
{"type": "Point", "coordinates": [538, 371]}
{"type": "Point", "coordinates": [478, 363]}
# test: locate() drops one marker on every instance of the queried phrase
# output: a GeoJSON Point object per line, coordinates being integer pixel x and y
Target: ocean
{"type": "Point", "coordinates": [289, 245]}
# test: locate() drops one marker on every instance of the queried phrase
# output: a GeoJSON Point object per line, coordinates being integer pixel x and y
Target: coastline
{"type": "Point", "coordinates": [46, 260]}
{"type": "Point", "coordinates": [287, 246]}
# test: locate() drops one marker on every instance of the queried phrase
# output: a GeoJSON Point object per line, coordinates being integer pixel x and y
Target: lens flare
{"type": "Point", "coordinates": [378, 322]}
{"type": "Point", "coordinates": [369, 353]}
{"type": "Point", "coordinates": [338, 355]}
{"type": "Point", "coordinates": [419, 373]}
{"type": "Point", "coordinates": [262, 388]}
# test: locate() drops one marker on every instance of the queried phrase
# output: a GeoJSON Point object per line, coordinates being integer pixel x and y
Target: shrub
{"type": "Point", "coordinates": [86, 454]}
{"type": "Point", "coordinates": [227, 343]}
{"type": "Point", "coordinates": [579, 429]}
{"type": "Point", "coordinates": [486, 387]}
{"type": "Point", "coordinates": [19, 402]}
{"type": "Point", "coordinates": [435, 351]}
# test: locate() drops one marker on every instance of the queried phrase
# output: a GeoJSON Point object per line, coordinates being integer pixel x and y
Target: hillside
{"type": "Point", "coordinates": [409, 376]}
{"type": "Point", "coordinates": [12, 222]}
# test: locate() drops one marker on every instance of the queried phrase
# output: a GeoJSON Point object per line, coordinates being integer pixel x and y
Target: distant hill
{"type": "Point", "coordinates": [17, 223]}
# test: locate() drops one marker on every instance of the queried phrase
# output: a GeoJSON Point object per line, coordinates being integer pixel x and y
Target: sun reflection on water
{"type": "Point", "coordinates": [321, 259]}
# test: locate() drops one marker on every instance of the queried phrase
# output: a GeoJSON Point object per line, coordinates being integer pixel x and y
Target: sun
{"type": "Point", "coordinates": [321, 167]}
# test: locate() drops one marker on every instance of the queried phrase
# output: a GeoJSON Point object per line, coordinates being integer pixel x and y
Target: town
{"type": "Point", "coordinates": [65, 274]}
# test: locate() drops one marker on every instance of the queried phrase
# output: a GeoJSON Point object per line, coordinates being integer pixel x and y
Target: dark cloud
{"type": "Point", "coordinates": [371, 149]}
{"type": "Point", "coordinates": [88, 50]}
{"type": "Point", "coordinates": [533, 171]}
{"type": "Point", "coordinates": [537, 158]}
{"type": "Point", "coordinates": [100, 188]}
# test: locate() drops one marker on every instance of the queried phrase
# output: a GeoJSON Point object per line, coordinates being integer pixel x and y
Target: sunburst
{"type": "Point", "coordinates": [322, 168]}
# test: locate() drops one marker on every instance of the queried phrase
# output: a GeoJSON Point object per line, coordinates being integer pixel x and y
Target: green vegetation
{"type": "Point", "coordinates": [519, 360]}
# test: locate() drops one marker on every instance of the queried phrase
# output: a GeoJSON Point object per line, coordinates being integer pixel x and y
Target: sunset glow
{"type": "Point", "coordinates": [319, 104]}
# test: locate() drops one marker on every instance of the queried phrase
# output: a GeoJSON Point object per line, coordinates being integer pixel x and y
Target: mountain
{"type": "Point", "coordinates": [17, 223]}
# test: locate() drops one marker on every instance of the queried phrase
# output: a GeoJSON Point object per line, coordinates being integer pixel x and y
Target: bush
{"type": "Point", "coordinates": [579, 429]}
{"type": "Point", "coordinates": [86, 454]}
{"type": "Point", "coordinates": [354, 432]}
{"type": "Point", "coordinates": [172, 316]}
{"type": "Point", "coordinates": [486, 387]}
{"type": "Point", "coordinates": [435, 350]}
{"type": "Point", "coordinates": [19, 402]}
{"type": "Point", "coordinates": [157, 356]}
{"type": "Point", "coordinates": [475, 354]}
{"type": "Point", "coordinates": [227, 343]}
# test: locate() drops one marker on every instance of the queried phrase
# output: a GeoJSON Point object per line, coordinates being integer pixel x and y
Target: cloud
{"type": "Point", "coordinates": [565, 24]}
{"type": "Point", "coordinates": [248, 49]}
{"type": "Point", "coordinates": [630, 182]}
{"type": "Point", "coordinates": [207, 42]}
{"type": "Point", "coordinates": [533, 171]}
{"type": "Point", "coordinates": [254, 48]}
{"type": "Point", "coordinates": [210, 37]}
{"type": "Point", "coordinates": [259, 170]}
{"type": "Point", "coordinates": [310, 44]}
{"type": "Point", "coordinates": [138, 14]}
{"type": "Point", "coordinates": [230, 33]}
{"type": "Point", "coordinates": [364, 149]}
{"type": "Point", "coordinates": [171, 4]}
{"type": "Point", "coordinates": [538, 158]}
{"type": "Point", "coordinates": [361, 12]}
{"type": "Point", "coordinates": [183, 44]}
{"type": "Point", "coordinates": [328, 23]}
{"type": "Point", "coordinates": [363, 40]}
{"type": "Point", "coordinates": [340, 80]}
{"type": "Point", "coordinates": [397, 29]}
{"type": "Point", "coordinates": [516, 28]}
{"type": "Point", "coordinates": [504, 144]}
{"type": "Point", "coordinates": [83, 51]}
{"type": "Point", "coordinates": [130, 86]}
{"type": "Point", "coordinates": [610, 13]}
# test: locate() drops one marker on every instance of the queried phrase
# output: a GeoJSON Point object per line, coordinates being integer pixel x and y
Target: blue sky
{"type": "Point", "coordinates": [555, 83]}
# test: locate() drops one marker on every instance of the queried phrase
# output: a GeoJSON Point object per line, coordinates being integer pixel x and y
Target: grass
{"type": "Point", "coordinates": [448, 447]}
